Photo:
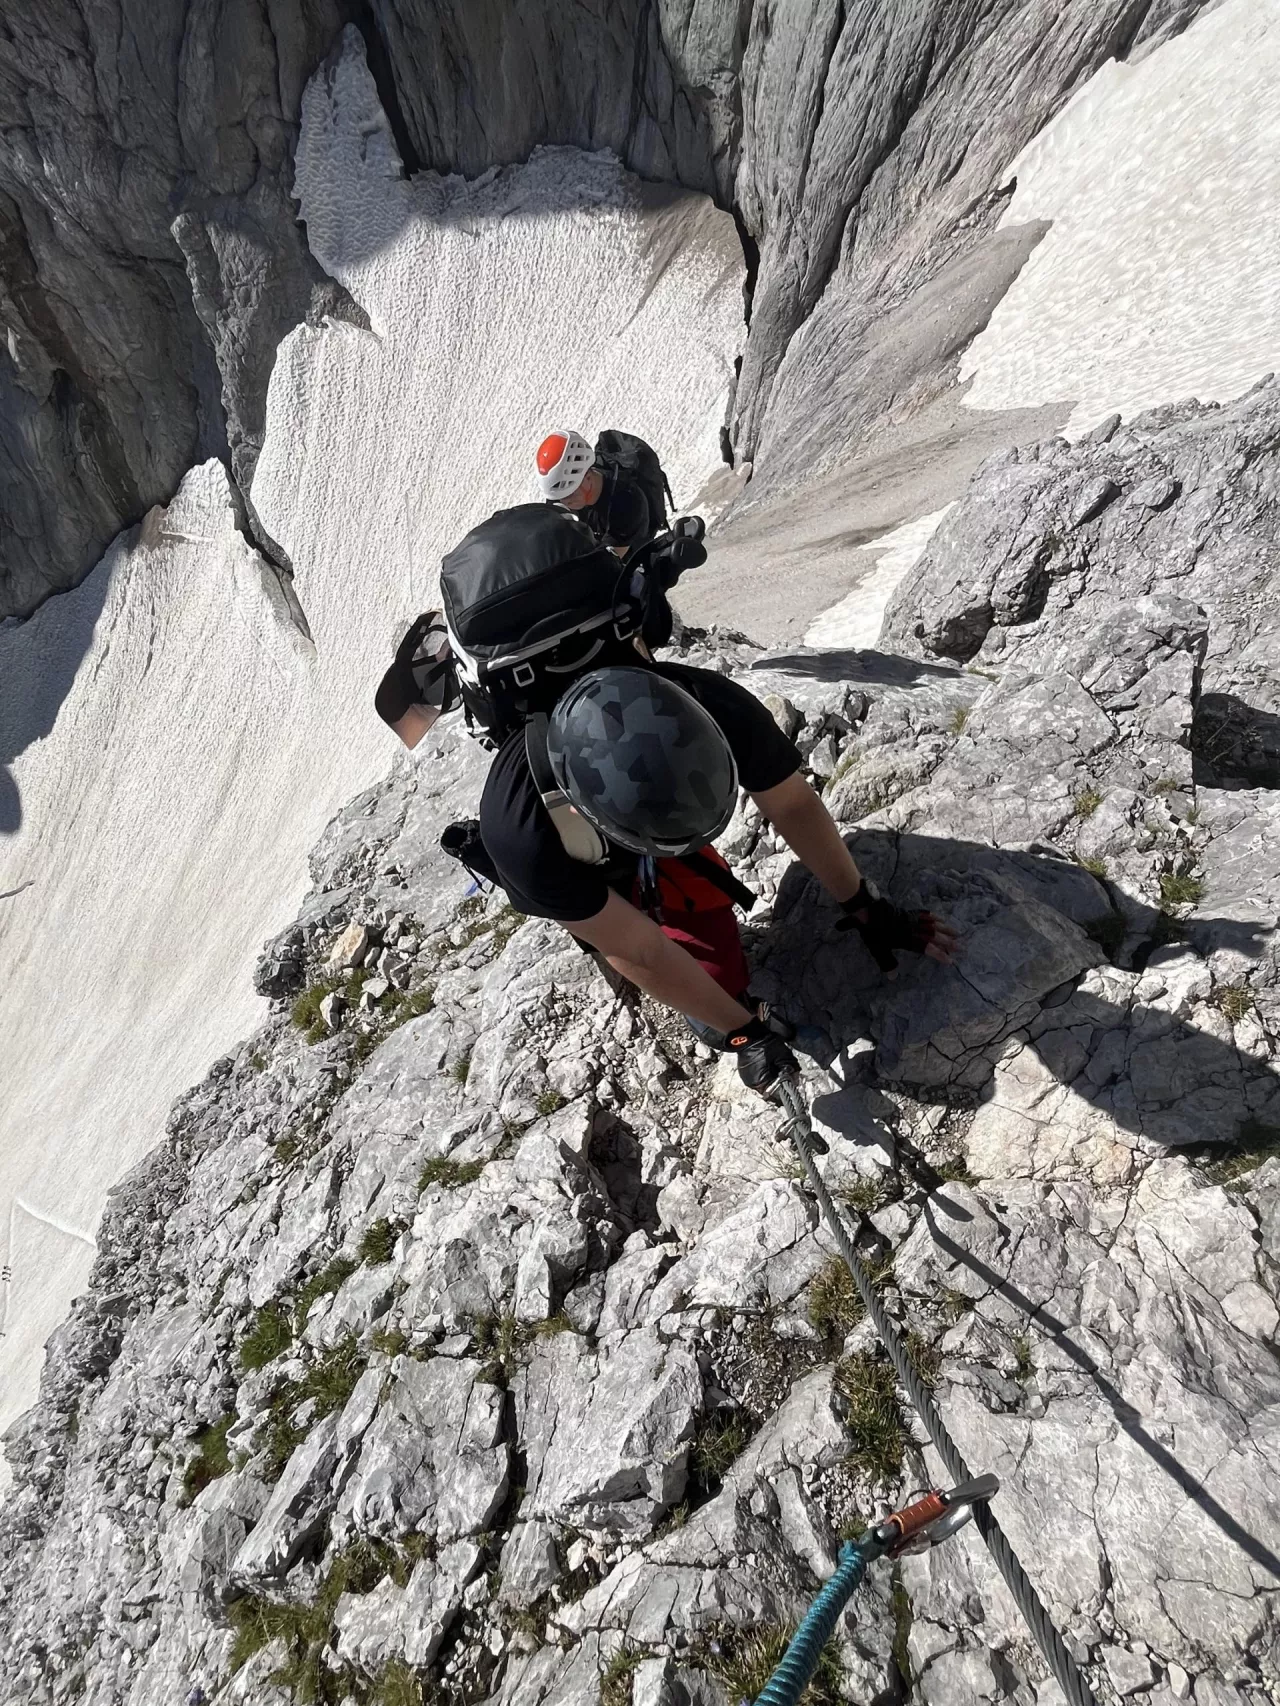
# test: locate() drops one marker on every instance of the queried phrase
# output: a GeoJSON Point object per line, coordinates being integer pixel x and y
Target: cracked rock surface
{"type": "Point", "coordinates": [479, 1337]}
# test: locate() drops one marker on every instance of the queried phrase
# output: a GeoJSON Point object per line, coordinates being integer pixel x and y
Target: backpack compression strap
{"type": "Point", "coordinates": [721, 877]}
{"type": "Point", "coordinates": [581, 840]}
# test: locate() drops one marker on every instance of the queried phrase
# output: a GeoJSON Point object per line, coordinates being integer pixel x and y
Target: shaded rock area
{"type": "Point", "coordinates": [473, 1338]}
{"type": "Point", "coordinates": [150, 259]}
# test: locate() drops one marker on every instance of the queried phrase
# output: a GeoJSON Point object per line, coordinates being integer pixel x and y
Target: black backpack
{"type": "Point", "coordinates": [530, 601]}
{"type": "Point", "coordinates": [622, 453]}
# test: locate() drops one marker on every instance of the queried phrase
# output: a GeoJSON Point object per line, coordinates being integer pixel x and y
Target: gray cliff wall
{"type": "Point", "coordinates": [150, 260]}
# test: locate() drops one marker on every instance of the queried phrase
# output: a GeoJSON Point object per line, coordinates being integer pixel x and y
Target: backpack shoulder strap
{"type": "Point", "coordinates": [580, 839]}
{"type": "Point", "coordinates": [722, 878]}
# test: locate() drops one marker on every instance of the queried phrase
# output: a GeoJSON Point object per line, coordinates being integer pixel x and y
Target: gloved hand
{"type": "Point", "coordinates": [885, 927]}
{"type": "Point", "coordinates": [679, 550]}
{"type": "Point", "coordinates": [762, 1054]}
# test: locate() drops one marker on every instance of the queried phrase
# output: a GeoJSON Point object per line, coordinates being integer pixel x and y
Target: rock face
{"type": "Point", "coordinates": [481, 1339]}
{"type": "Point", "coordinates": [150, 260]}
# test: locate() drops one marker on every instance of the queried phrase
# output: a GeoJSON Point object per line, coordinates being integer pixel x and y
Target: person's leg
{"type": "Point", "coordinates": [713, 939]}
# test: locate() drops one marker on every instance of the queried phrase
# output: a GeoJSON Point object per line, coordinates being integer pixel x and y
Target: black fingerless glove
{"type": "Point", "coordinates": [763, 1055]}
{"type": "Point", "coordinates": [885, 927]}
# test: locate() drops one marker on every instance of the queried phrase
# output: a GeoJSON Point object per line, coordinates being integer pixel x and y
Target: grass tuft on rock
{"type": "Point", "coordinates": [863, 1195]}
{"type": "Point", "coordinates": [867, 1384]}
{"type": "Point", "coordinates": [398, 1685]}
{"type": "Point", "coordinates": [329, 1382]}
{"type": "Point", "coordinates": [399, 1006]}
{"type": "Point", "coordinates": [305, 1011]}
{"type": "Point", "coordinates": [323, 1284]}
{"type": "Point", "coordinates": [549, 1102]}
{"type": "Point", "coordinates": [1023, 1362]}
{"type": "Point", "coordinates": [1234, 1166]}
{"type": "Point", "coordinates": [332, 1378]}
{"type": "Point", "coordinates": [618, 1675]}
{"type": "Point", "coordinates": [834, 1305]}
{"type": "Point", "coordinates": [388, 1341]}
{"type": "Point", "coordinates": [500, 1340]}
{"type": "Point", "coordinates": [378, 1244]}
{"type": "Point", "coordinates": [926, 1356]}
{"type": "Point", "coordinates": [955, 1170]}
{"type": "Point", "coordinates": [1235, 1001]}
{"type": "Point", "coordinates": [211, 1460]}
{"type": "Point", "coordinates": [1086, 802]}
{"type": "Point", "coordinates": [450, 1175]}
{"type": "Point", "coordinates": [717, 1445]}
{"type": "Point", "coordinates": [306, 1632]}
{"type": "Point", "coordinates": [552, 1326]}
{"type": "Point", "coordinates": [745, 1659]}
{"type": "Point", "coordinates": [270, 1335]}
{"type": "Point", "coordinates": [1179, 888]}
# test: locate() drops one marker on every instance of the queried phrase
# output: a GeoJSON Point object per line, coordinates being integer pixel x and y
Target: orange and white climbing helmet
{"type": "Point", "coordinates": [563, 461]}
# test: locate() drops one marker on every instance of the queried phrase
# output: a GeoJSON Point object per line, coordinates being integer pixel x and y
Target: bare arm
{"type": "Point", "coordinates": [637, 949]}
{"type": "Point", "coordinates": [416, 722]}
{"type": "Point", "coordinates": [809, 830]}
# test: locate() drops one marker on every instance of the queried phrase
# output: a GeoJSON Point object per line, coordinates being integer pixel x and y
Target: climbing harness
{"type": "Point", "coordinates": [1072, 1682]}
{"type": "Point", "coordinates": [925, 1523]}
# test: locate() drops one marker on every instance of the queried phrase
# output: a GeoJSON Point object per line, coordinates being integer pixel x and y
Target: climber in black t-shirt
{"type": "Point", "coordinates": [640, 769]}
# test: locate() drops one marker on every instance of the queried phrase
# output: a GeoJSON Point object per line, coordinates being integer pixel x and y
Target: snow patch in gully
{"type": "Point", "coordinates": [857, 619]}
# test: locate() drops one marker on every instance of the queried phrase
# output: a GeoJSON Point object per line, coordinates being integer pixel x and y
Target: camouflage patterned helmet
{"type": "Point", "coordinates": [642, 761]}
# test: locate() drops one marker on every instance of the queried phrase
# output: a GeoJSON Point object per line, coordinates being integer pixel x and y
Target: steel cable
{"type": "Point", "coordinates": [1050, 1642]}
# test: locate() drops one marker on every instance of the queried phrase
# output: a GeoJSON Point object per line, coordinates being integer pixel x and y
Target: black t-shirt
{"type": "Point", "coordinates": [538, 875]}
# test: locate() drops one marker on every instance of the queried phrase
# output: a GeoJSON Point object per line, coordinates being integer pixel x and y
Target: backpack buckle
{"type": "Point", "coordinates": [524, 675]}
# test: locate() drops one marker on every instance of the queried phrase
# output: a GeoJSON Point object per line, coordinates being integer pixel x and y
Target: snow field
{"type": "Point", "coordinates": [1159, 279]}
{"type": "Point", "coordinates": [204, 742]}
{"type": "Point", "coordinates": [856, 621]}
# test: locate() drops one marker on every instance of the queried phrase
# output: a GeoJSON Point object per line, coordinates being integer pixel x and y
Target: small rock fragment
{"type": "Point", "coordinates": [1094, 498]}
{"type": "Point", "coordinates": [1129, 1671]}
{"type": "Point", "coordinates": [783, 713]}
{"type": "Point", "coordinates": [1154, 494]}
{"type": "Point", "coordinates": [350, 949]}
